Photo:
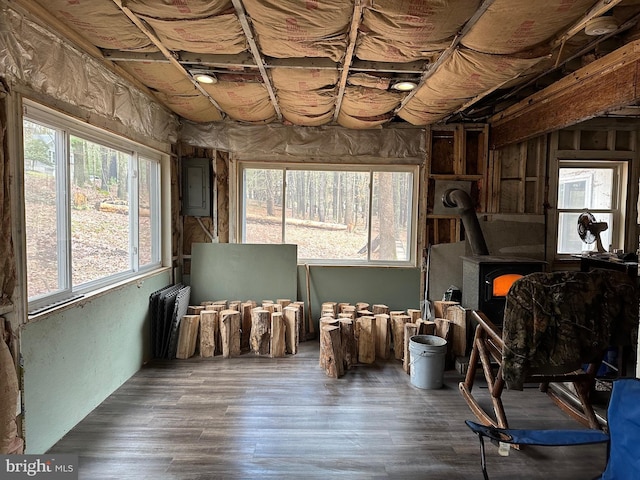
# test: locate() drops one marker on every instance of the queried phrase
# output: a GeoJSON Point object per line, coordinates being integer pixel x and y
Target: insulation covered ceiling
{"type": "Point", "coordinates": [320, 62]}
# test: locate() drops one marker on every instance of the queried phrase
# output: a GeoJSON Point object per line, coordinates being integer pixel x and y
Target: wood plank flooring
{"type": "Point", "coordinates": [261, 418]}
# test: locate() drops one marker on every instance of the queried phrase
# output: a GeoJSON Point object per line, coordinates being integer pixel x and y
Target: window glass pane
{"type": "Point", "coordinates": [99, 211]}
{"type": "Point", "coordinates": [327, 214]}
{"type": "Point", "coordinates": [41, 198]}
{"type": "Point", "coordinates": [147, 203]}
{"type": "Point", "coordinates": [262, 203]}
{"type": "Point", "coordinates": [585, 188]}
{"type": "Point", "coordinates": [568, 239]}
{"type": "Point", "coordinates": [391, 216]}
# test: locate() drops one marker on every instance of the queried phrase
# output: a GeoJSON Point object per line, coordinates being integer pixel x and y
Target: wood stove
{"type": "Point", "coordinates": [487, 279]}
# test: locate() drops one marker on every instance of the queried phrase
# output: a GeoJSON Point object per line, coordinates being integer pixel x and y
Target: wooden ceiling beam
{"type": "Point", "coordinates": [166, 52]}
{"type": "Point", "coordinates": [255, 51]}
{"type": "Point", "coordinates": [356, 19]}
{"type": "Point", "coordinates": [606, 84]}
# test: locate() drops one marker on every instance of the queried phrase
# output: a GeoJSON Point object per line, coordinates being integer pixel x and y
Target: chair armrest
{"type": "Point", "coordinates": [489, 327]}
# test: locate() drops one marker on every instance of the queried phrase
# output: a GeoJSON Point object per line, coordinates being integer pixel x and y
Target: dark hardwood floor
{"type": "Point", "coordinates": [263, 418]}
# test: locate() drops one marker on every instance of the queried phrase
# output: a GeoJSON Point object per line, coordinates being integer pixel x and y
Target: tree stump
{"type": "Point", "coordinates": [348, 342]}
{"type": "Point", "coordinates": [230, 333]}
{"type": "Point", "coordinates": [378, 309]}
{"type": "Point", "coordinates": [414, 314]}
{"type": "Point", "coordinates": [278, 342]}
{"type": "Point", "coordinates": [208, 333]}
{"type": "Point", "coordinates": [187, 336]}
{"type": "Point", "coordinates": [292, 329]}
{"type": "Point", "coordinates": [366, 339]}
{"type": "Point", "coordinates": [326, 322]}
{"type": "Point", "coordinates": [410, 330]}
{"type": "Point", "coordinates": [331, 351]}
{"type": "Point", "coordinates": [398, 335]}
{"type": "Point", "coordinates": [361, 306]}
{"type": "Point", "coordinates": [245, 324]}
{"type": "Point", "coordinates": [383, 336]}
{"type": "Point", "coordinates": [260, 337]}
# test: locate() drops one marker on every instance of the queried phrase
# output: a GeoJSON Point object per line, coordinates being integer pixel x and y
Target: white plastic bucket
{"type": "Point", "coordinates": [427, 356]}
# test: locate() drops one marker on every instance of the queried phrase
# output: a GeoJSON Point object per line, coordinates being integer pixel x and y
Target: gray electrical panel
{"type": "Point", "coordinates": [196, 187]}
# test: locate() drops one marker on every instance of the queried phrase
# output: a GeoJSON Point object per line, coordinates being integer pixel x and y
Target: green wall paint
{"type": "Point", "coordinates": [398, 288]}
{"type": "Point", "coordinates": [75, 358]}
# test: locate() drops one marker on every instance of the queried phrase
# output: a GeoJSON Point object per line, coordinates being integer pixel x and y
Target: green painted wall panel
{"type": "Point", "coordinates": [75, 358]}
{"type": "Point", "coordinates": [399, 288]}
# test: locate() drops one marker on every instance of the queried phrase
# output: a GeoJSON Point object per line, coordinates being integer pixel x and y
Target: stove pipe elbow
{"type": "Point", "coordinates": [455, 197]}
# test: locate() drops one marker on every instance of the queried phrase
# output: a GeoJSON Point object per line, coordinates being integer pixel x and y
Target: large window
{"type": "Point", "coordinates": [592, 186]}
{"type": "Point", "coordinates": [91, 207]}
{"type": "Point", "coordinates": [352, 215]}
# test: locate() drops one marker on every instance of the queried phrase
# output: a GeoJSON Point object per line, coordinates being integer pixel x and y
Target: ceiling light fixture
{"type": "Point", "coordinates": [204, 77]}
{"type": "Point", "coordinates": [601, 25]}
{"type": "Point", "coordinates": [404, 85]}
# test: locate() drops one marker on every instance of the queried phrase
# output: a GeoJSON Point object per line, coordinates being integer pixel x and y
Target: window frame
{"type": "Point", "coordinates": [370, 168]}
{"type": "Point", "coordinates": [67, 127]}
{"type": "Point", "coordinates": [620, 179]}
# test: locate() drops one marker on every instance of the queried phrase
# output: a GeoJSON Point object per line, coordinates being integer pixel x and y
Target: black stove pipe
{"type": "Point", "coordinates": [454, 197]}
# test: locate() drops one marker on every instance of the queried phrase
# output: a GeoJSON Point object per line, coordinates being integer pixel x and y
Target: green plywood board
{"type": "Point", "coordinates": [230, 271]}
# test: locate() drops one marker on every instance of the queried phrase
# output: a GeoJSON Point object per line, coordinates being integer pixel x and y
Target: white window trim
{"type": "Point", "coordinates": [618, 209]}
{"type": "Point", "coordinates": [60, 121]}
{"type": "Point", "coordinates": [236, 206]}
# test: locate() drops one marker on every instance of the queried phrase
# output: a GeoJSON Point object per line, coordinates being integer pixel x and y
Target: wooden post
{"type": "Point", "coordinates": [426, 327]}
{"type": "Point", "coordinates": [208, 333]}
{"type": "Point", "coordinates": [331, 307]}
{"type": "Point", "coordinates": [383, 335]}
{"type": "Point", "coordinates": [409, 331]}
{"type": "Point", "coordinates": [245, 312]}
{"type": "Point", "coordinates": [366, 339]}
{"type": "Point", "coordinates": [283, 302]}
{"type": "Point", "coordinates": [269, 306]}
{"type": "Point", "coordinates": [398, 335]}
{"type": "Point", "coordinates": [304, 329]}
{"type": "Point", "coordinates": [440, 307]}
{"type": "Point", "coordinates": [331, 351]}
{"type": "Point", "coordinates": [234, 305]}
{"type": "Point", "coordinates": [348, 341]}
{"type": "Point", "coordinates": [292, 329]}
{"type": "Point", "coordinates": [187, 336]}
{"type": "Point", "coordinates": [260, 331]}
{"type": "Point", "coordinates": [194, 309]}
{"type": "Point", "coordinates": [278, 343]}
{"type": "Point", "coordinates": [230, 333]}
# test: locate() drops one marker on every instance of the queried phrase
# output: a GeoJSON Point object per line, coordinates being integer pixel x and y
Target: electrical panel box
{"type": "Point", "coordinates": [196, 187]}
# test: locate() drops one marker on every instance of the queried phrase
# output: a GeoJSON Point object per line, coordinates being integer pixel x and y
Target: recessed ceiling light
{"type": "Point", "coordinates": [404, 86]}
{"type": "Point", "coordinates": [205, 78]}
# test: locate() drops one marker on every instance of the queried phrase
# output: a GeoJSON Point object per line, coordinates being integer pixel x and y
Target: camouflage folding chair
{"type": "Point", "coordinates": [556, 328]}
{"type": "Point", "coordinates": [623, 422]}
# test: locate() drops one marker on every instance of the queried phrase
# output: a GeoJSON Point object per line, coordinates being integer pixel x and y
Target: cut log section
{"type": "Point", "coordinates": [230, 333]}
{"type": "Point", "coordinates": [326, 322]}
{"type": "Point", "coordinates": [283, 302]}
{"type": "Point", "coordinates": [410, 330]}
{"type": "Point", "coordinates": [329, 307]}
{"type": "Point", "coordinates": [331, 351]}
{"type": "Point", "coordinates": [292, 329]}
{"type": "Point", "coordinates": [194, 309]}
{"type": "Point", "coordinates": [426, 327]}
{"type": "Point", "coordinates": [304, 327]}
{"type": "Point", "coordinates": [245, 324]}
{"type": "Point", "coordinates": [440, 307]}
{"type": "Point", "coordinates": [234, 305]}
{"type": "Point", "coordinates": [208, 333]}
{"type": "Point", "coordinates": [383, 335]}
{"type": "Point", "coordinates": [398, 322]}
{"type": "Point", "coordinates": [260, 337]}
{"type": "Point", "coordinates": [348, 341]}
{"type": "Point", "coordinates": [414, 314]}
{"type": "Point", "coordinates": [187, 336]}
{"type": "Point", "coordinates": [361, 306]}
{"type": "Point", "coordinates": [458, 318]}
{"type": "Point", "coordinates": [278, 343]}
{"type": "Point", "coordinates": [379, 308]}
{"type": "Point", "coordinates": [366, 327]}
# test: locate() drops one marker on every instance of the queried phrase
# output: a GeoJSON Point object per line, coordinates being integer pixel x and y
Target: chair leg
{"type": "Point", "coordinates": [483, 459]}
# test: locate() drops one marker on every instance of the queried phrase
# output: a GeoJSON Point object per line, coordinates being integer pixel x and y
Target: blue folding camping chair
{"type": "Point", "coordinates": [623, 422]}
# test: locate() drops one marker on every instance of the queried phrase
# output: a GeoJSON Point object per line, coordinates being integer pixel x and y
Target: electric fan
{"type": "Point", "coordinates": [589, 230]}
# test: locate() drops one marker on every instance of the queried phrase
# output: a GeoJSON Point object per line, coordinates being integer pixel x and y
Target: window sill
{"type": "Point", "coordinates": [81, 300]}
